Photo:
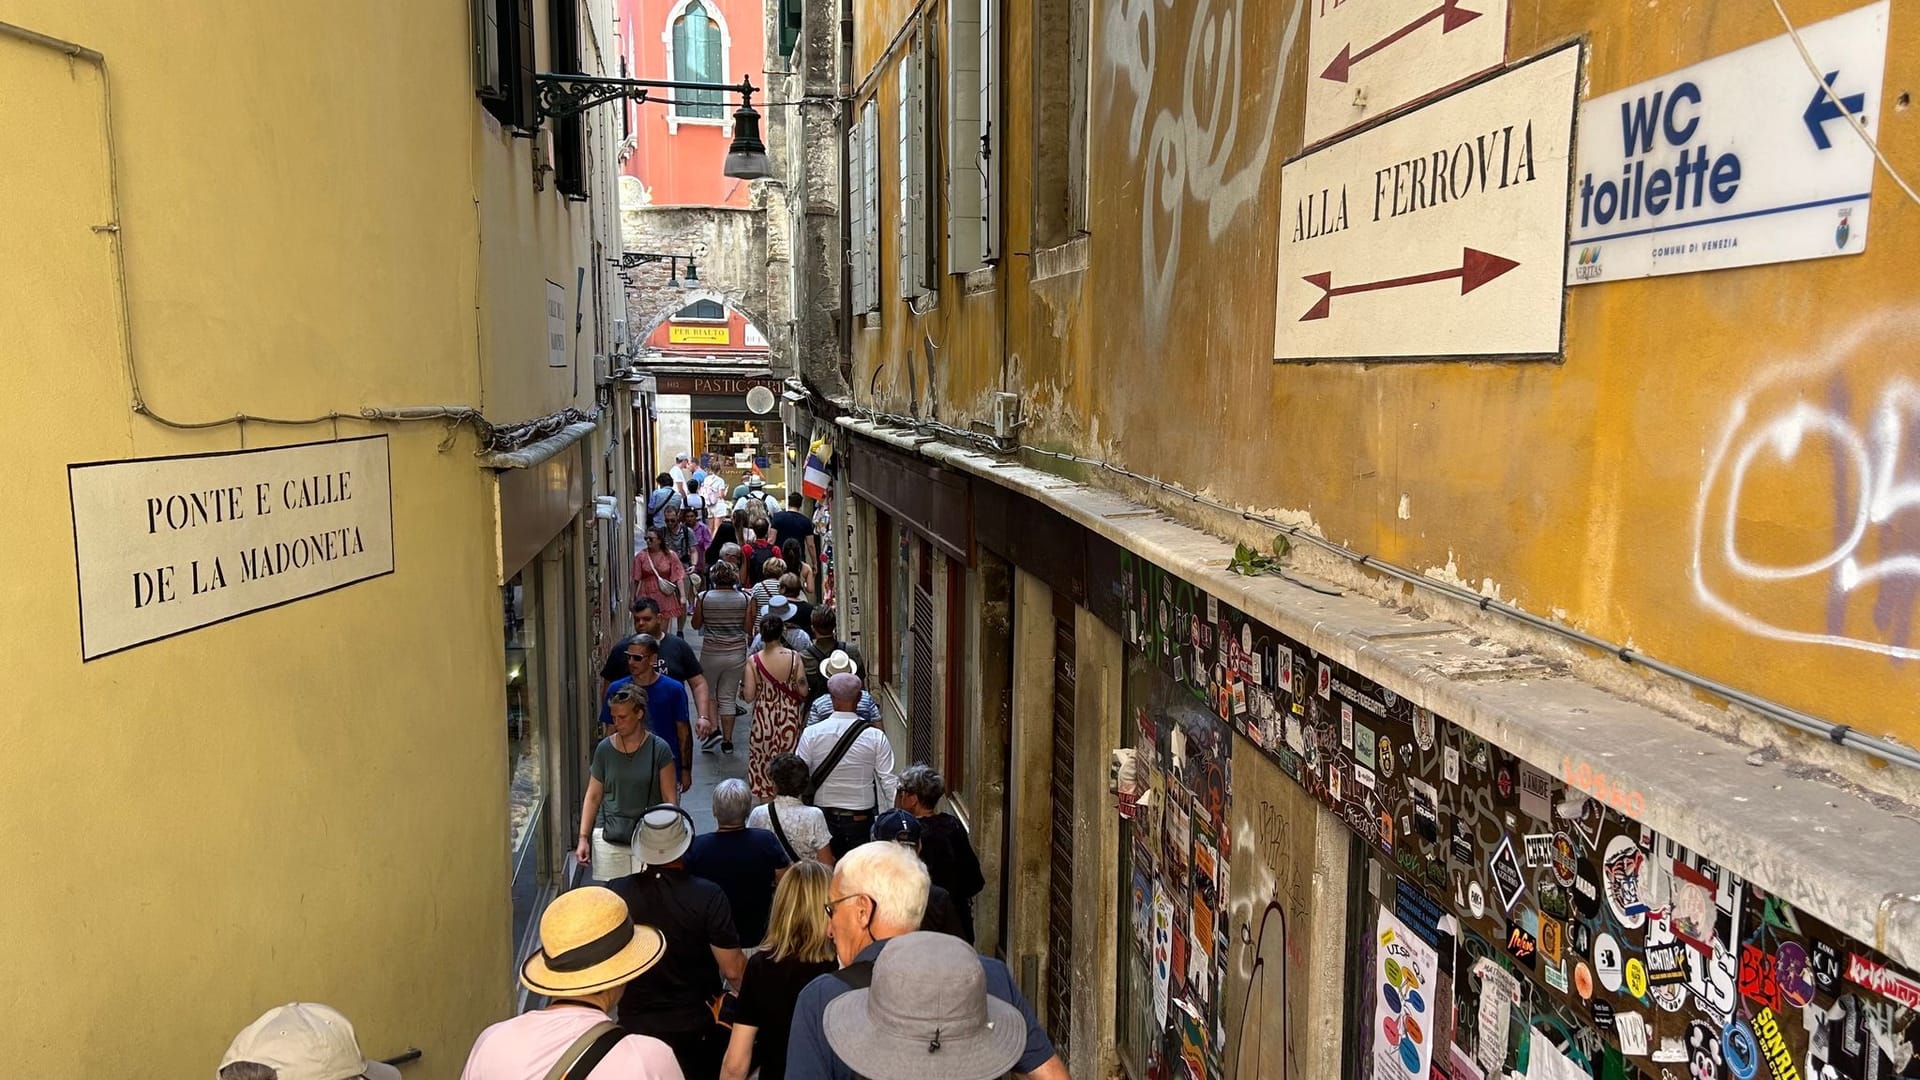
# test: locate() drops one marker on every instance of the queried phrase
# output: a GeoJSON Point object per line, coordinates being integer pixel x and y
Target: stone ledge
{"type": "Point", "coordinates": [1839, 857]}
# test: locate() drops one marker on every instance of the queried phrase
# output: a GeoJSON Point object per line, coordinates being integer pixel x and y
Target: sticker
{"type": "Point", "coordinates": [1585, 889]}
{"type": "Point", "coordinates": [1636, 977]}
{"type": "Point", "coordinates": [1602, 1011]}
{"type": "Point", "coordinates": [1499, 992]}
{"type": "Point", "coordinates": [1693, 906]}
{"type": "Point", "coordinates": [1284, 661]}
{"type": "Point", "coordinates": [1521, 945]}
{"type": "Point", "coordinates": [1703, 1050]}
{"type": "Point", "coordinates": [1794, 973]}
{"type": "Point", "coordinates": [1504, 782]}
{"type": "Point", "coordinates": [1591, 819]}
{"type": "Point", "coordinates": [1539, 849]}
{"type": "Point", "coordinates": [1883, 981]}
{"type": "Point", "coordinates": [1740, 1050]}
{"type": "Point", "coordinates": [1631, 1027]}
{"type": "Point", "coordinates": [1825, 965]}
{"type": "Point", "coordinates": [1386, 756]}
{"type": "Point", "coordinates": [1671, 998]}
{"type": "Point", "coordinates": [1508, 881]}
{"type": "Point", "coordinates": [1553, 943]}
{"type": "Point", "coordinates": [1326, 682]}
{"type": "Point", "coordinates": [1666, 964]}
{"type": "Point", "coordinates": [1564, 858]}
{"type": "Point", "coordinates": [1583, 980]}
{"type": "Point", "coordinates": [1450, 765]}
{"type": "Point", "coordinates": [1423, 728]}
{"type": "Point", "coordinates": [1346, 726]}
{"type": "Point", "coordinates": [1623, 870]}
{"type": "Point", "coordinates": [1556, 977]}
{"type": "Point", "coordinates": [1580, 938]}
{"type": "Point", "coordinates": [1759, 977]}
{"type": "Point", "coordinates": [1363, 776]}
{"type": "Point", "coordinates": [1536, 793]}
{"type": "Point", "coordinates": [1607, 962]}
{"type": "Point", "coordinates": [1365, 750]}
{"type": "Point", "coordinates": [1476, 900]}
{"type": "Point", "coordinates": [1463, 845]}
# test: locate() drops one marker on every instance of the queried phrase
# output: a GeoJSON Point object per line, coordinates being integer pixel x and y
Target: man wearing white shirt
{"type": "Point", "coordinates": [862, 780]}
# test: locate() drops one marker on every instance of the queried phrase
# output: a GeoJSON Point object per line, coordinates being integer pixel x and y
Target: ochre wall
{"type": "Point", "coordinates": [1570, 488]}
{"type": "Point", "coordinates": [305, 802]}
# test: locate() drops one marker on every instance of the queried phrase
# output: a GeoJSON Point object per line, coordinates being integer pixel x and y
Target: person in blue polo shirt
{"type": "Point", "coordinates": [666, 703]}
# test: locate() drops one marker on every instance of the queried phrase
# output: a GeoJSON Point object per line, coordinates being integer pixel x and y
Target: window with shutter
{"type": "Point", "coordinates": [870, 154]}
{"type": "Point", "coordinates": [856, 196]}
{"type": "Point", "coordinates": [964, 128]}
{"type": "Point", "coordinates": [989, 130]}
{"type": "Point", "coordinates": [903, 133]}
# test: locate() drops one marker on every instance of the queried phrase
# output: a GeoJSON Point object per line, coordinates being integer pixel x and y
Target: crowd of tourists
{"type": "Point", "coordinates": [822, 929]}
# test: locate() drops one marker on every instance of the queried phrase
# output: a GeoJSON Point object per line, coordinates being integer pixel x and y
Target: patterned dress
{"type": "Point", "coordinates": [776, 720]}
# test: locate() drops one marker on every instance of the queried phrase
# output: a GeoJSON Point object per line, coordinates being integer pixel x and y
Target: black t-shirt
{"type": "Point", "coordinates": [791, 525]}
{"type": "Point", "coordinates": [943, 915]}
{"type": "Point", "coordinates": [672, 996]}
{"type": "Point", "coordinates": [767, 996]}
{"type": "Point", "coordinates": [952, 864]}
{"type": "Point", "coordinates": [741, 862]}
{"type": "Point", "coordinates": [681, 661]}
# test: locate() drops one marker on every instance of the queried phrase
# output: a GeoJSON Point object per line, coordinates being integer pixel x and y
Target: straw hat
{"type": "Point", "coordinates": [839, 664]}
{"type": "Point", "coordinates": [305, 1041]}
{"type": "Point", "coordinates": [589, 943]}
{"type": "Point", "coordinates": [926, 1013]}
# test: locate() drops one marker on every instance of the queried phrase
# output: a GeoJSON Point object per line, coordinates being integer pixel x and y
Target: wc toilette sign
{"type": "Point", "coordinates": [167, 545]}
{"type": "Point", "coordinates": [1741, 160]}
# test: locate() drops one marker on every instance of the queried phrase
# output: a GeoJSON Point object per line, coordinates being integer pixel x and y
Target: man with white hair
{"type": "Point", "coordinates": [879, 892]}
{"type": "Point", "coordinates": [681, 472]}
{"type": "Point", "coordinates": [852, 764]}
{"type": "Point", "coordinates": [745, 863]}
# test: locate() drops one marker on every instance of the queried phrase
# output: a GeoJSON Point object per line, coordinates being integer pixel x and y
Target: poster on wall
{"type": "Point", "coordinates": [1439, 233]}
{"type": "Point", "coordinates": [1740, 160]}
{"type": "Point", "coordinates": [1406, 982]}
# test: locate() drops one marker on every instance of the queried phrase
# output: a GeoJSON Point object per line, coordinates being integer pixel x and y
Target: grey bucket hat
{"type": "Point", "coordinates": [926, 1013]}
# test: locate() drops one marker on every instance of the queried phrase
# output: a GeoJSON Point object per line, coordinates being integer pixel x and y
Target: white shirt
{"type": "Point", "coordinates": [867, 766]}
{"type": "Point", "coordinates": [806, 826]}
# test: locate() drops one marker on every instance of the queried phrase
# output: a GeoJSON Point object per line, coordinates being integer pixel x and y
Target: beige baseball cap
{"type": "Point", "coordinates": [305, 1041]}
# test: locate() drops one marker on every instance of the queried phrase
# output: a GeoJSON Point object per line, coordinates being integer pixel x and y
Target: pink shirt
{"type": "Point", "coordinates": [525, 1048]}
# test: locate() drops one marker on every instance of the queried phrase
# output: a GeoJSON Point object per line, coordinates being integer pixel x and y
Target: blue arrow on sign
{"type": "Point", "coordinates": [1823, 108]}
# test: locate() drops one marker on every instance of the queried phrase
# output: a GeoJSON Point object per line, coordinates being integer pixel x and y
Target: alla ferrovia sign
{"type": "Point", "coordinates": [1739, 160]}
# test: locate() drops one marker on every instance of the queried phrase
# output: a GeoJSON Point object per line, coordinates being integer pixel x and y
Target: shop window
{"type": "Point", "coordinates": [886, 553]}
{"type": "Point", "coordinates": [526, 776]}
{"type": "Point", "coordinates": [503, 60]}
{"type": "Point", "coordinates": [697, 46]}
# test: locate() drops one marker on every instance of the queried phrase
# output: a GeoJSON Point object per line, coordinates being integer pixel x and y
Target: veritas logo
{"type": "Point", "coordinates": [1587, 266]}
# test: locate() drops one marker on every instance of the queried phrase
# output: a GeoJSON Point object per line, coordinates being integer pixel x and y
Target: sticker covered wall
{"type": "Point", "coordinates": [1568, 939]}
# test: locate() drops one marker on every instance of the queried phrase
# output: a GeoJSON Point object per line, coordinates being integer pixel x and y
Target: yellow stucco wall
{"type": "Point", "coordinates": [1569, 488]}
{"type": "Point", "coordinates": [306, 802]}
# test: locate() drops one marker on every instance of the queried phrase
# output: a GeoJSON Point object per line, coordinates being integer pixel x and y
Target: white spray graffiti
{"type": "Point", "coordinates": [1778, 416]}
{"type": "Point", "coordinates": [1193, 154]}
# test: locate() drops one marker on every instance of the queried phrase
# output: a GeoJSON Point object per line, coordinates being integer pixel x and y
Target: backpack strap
{"type": "Point", "coordinates": [779, 831]}
{"type": "Point", "coordinates": [857, 975]}
{"type": "Point", "coordinates": [840, 749]}
{"type": "Point", "coordinates": [577, 1061]}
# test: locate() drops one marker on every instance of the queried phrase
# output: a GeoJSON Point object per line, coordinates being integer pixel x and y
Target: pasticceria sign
{"type": "Point", "coordinates": [167, 545]}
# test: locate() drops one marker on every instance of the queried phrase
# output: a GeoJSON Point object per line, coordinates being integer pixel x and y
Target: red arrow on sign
{"type": "Point", "coordinates": [1476, 269]}
{"type": "Point", "coordinates": [1451, 17]}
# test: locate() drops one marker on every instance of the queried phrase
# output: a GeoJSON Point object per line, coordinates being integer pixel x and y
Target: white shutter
{"type": "Point", "coordinates": [857, 221]}
{"type": "Point", "coordinates": [870, 175]}
{"type": "Point", "coordinates": [923, 244]}
{"type": "Point", "coordinates": [963, 136]}
{"type": "Point", "coordinates": [989, 130]}
{"type": "Point", "coordinates": [903, 133]}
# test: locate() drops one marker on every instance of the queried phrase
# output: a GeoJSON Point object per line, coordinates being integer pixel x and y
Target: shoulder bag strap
{"type": "Point", "coordinates": [606, 1031]}
{"type": "Point", "coordinates": [857, 975]}
{"type": "Point", "coordinates": [780, 831]}
{"type": "Point", "coordinates": [840, 749]}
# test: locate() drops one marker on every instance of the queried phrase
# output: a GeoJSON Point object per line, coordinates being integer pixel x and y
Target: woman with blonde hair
{"type": "Point", "coordinates": [796, 950]}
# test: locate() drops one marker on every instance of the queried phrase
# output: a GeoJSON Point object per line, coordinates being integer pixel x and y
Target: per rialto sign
{"type": "Point", "coordinates": [167, 545]}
